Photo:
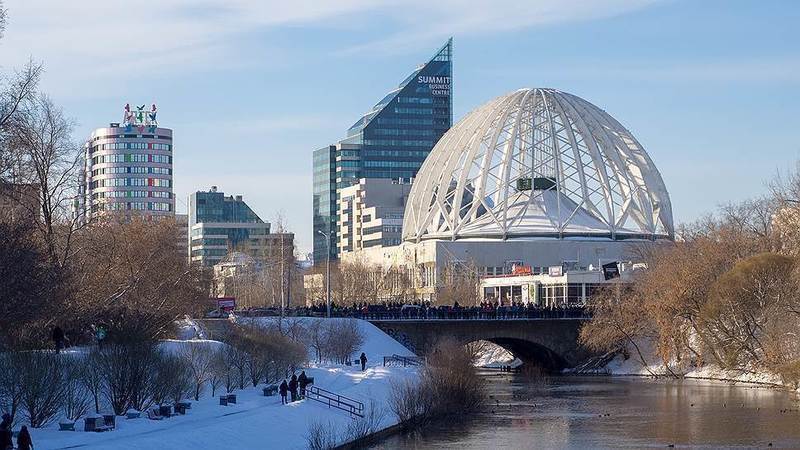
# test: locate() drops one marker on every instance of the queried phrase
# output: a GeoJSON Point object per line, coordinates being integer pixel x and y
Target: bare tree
{"type": "Point", "coordinates": [201, 360]}
{"type": "Point", "coordinates": [42, 376]}
{"type": "Point", "coordinates": [344, 337]}
{"type": "Point", "coordinates": [92, 378]}
{"type": "Point", "coordinates": [41, 139]}
{"type": "Point", "coordinates": [77, 396]}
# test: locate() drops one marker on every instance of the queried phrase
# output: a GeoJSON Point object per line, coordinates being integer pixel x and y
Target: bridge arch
{"type": "Point", "coordinates": [549, 343]}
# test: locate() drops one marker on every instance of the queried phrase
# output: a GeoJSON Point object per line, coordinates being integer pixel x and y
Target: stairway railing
{"type": "Point", "coordinates": [334, 400]}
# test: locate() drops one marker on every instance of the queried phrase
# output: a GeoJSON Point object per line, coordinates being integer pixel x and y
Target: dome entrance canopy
{"type": "Point", "coordinates": [538, 163]}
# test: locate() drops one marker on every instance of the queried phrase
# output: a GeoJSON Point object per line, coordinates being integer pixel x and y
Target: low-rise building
{"type": "Point", "coordinates": [556, 287]}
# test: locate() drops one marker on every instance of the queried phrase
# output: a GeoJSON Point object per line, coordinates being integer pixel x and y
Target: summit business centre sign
{"type": "Point", "coordinates": [439, 85]}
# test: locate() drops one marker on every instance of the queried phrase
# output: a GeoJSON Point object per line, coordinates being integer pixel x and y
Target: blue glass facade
{"type": "Point", "coordinates": [390, 141]}
{"type": "Point", "coordinates": [225, 223]}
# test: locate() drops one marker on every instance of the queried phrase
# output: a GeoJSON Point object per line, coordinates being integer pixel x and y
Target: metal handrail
{"type": "Point", "coordinates": [406, 360]}
{"type": "Point", "coordinates": [334, 400]}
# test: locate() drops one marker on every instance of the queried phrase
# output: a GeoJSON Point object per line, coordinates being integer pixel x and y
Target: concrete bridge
{"type": "Point", "coordinates": [548, 343]}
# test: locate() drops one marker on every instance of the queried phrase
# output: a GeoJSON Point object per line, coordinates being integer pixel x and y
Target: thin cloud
{"type": "Point", "coordinates": [103, 43]}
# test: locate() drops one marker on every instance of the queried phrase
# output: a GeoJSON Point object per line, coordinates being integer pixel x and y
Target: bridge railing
{"type": "Point", "coordinates": [436, 313]}
{"type": "Point", "coordinates": [404, 360]}
{"type": "Point", "coordinates": [334, 400]}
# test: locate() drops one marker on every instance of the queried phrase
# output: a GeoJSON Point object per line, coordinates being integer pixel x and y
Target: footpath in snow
{"type": "Point", "coordinates": [255, 422]}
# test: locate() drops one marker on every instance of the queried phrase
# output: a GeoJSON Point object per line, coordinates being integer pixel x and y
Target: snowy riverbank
{"type": "Point", "coordinates": [255, 421]}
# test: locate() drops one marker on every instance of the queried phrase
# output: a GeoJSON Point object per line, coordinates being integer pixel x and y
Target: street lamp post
{"type": "Point", "coordinates": [327, 270]}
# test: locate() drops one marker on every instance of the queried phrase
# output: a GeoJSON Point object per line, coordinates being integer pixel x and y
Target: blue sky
{"type": "Point", "coordinates": [251, 88]}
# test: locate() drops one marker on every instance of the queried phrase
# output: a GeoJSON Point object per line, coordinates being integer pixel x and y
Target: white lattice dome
{"type": "Point", "coordinates": [538, 163]}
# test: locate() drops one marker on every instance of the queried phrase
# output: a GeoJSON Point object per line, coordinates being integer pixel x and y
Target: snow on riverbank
{"type": "Point", "coordinates": [255, 422]}
{"type": "Point", "coordinates": [633, 366]}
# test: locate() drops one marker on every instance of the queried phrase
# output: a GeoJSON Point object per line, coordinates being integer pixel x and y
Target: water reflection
{"type": "Point", "coordinates": [602, 412]}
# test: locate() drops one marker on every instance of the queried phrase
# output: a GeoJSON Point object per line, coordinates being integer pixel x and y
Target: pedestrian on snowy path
{"type": "Point", "coordinates": [363, 361]}
{"type": "Point", "coordinates": [283, 389]}
{"type": "Point", "coordinates": [302, 381]}
{"type": "Point", "coordinates": [293, 387]}
{"type": "Point", "coordinates": [24, 441]}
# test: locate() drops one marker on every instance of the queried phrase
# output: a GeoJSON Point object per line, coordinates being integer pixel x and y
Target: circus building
{"type": "Point", "coordinates": [537, 178]}
{"type": "Point", "coordinates": [128, 168]}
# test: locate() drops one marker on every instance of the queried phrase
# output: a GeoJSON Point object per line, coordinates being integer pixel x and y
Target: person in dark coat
{"type": "Point", "coordinates": [58, 338]}
{"type": "Point", "coordinates": [293, 387]}
{"type": "Point", "coordinates": [283, 389]}
{"type": "Point", "coordinates": [24, 439]}
{"type": "Point", "coordinates": [363, 359]}
{"type": "Point", "coordinates": [302, 381]}
{"type": "Point", "coordinates": [5, 433]}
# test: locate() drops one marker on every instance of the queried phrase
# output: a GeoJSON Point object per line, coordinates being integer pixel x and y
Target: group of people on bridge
{"type": "Point", "coordinates": [425, 310]}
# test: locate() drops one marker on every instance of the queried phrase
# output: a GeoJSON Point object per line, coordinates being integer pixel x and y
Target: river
{"type": "Point", "coordinates": [615, 412]}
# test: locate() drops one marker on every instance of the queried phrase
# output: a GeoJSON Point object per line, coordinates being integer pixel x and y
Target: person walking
{"type": "Point", "coordinates": [302, 381]}
{"type": "Point", "coordinates": [283, 389]}
{"type": "Point", "coordinates": [363, 359]}
{"type": "Point", "coordinates": [6, 442]}
{"type": "Point", "coordinates": [24, 441]}
{"type": "Point", "coordinates": [58, 338]}
{"type": "Point", "coordinates": [293, 387]}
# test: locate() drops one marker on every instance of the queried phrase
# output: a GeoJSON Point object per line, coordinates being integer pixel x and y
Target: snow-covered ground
{"type": "Point", "coordinates": [493, 356]}
{"type": "Point", "coordinates": [255, 422]}
{"type": "Point", "coordinates": [634, 366]}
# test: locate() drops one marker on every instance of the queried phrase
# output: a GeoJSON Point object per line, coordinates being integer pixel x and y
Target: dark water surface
{"type": "Point", "coordinates": [613, 412]}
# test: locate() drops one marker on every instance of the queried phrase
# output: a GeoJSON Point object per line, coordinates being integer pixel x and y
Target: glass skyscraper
{"type": "Point", "coordinates": [390, 141]}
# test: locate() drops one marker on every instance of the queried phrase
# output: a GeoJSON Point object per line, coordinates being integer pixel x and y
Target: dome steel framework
{"type": "Point", "coordinates": [538, 163]}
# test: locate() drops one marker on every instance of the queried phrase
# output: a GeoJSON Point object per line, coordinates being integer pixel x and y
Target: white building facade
{"type": "Point", "coordinates": [537, 177]}
{"type": "Point", "coordinates": [370, 214]}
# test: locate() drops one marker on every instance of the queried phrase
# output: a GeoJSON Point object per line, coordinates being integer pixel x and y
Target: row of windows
{"type": "Point", "coordinates": [420, 111]}
{"type": "Point", "coordinates": [116, 194]}
{"type": "Point", "coordinates": [399, 121]}
{"type": "Point", "coordinates": [133, 206]}
{"type": "Point", "coordinates": [419, 100]}
{"type": "Point", "coordinates": [131, 136]}
{"type": "Point", "coordinates": [132, 146]}
{"type": "Point", "coordinates": [132, 157]}
{"type": "Point", "coordinates": [347, 153]}
{"type": "Point", "coordinates": [403, 153]}
{"type": "Point", "coordinates": [226, 231]}
{"type": "Point", "coordinates": [402, 132]}
{"type": "Point", "coordinates": [383, 228]}
{"type": "Point", "coordinates": [121, 182]}
{"type": "Point", "coordinates": [400, 142]}
{"type": "Point", "coordinates": [385, 174]}
{"type": "Point", "coordinates": [129, 169]}
{"type": "Point", "coordinates": [392, 164]}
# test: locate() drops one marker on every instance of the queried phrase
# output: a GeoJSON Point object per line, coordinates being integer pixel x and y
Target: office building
{"type": "Point", "coordinates": [390, 141]}
{"type": "Point", "coordinates": [371, 214]}
{"type": "Point", "coordinates": [219, 224]}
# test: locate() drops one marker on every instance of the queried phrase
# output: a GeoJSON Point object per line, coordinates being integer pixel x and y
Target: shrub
{"type": "Point", "coordinates": [321, 436]}
{"type": "Point", "coordinates": [448, 386]}
{"type": "Point", "coordinates": [77, 397]}
{"type": "Point", "coordinates": [127, 371]}
{"type": "Point", "coordinates": [41, 378]}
